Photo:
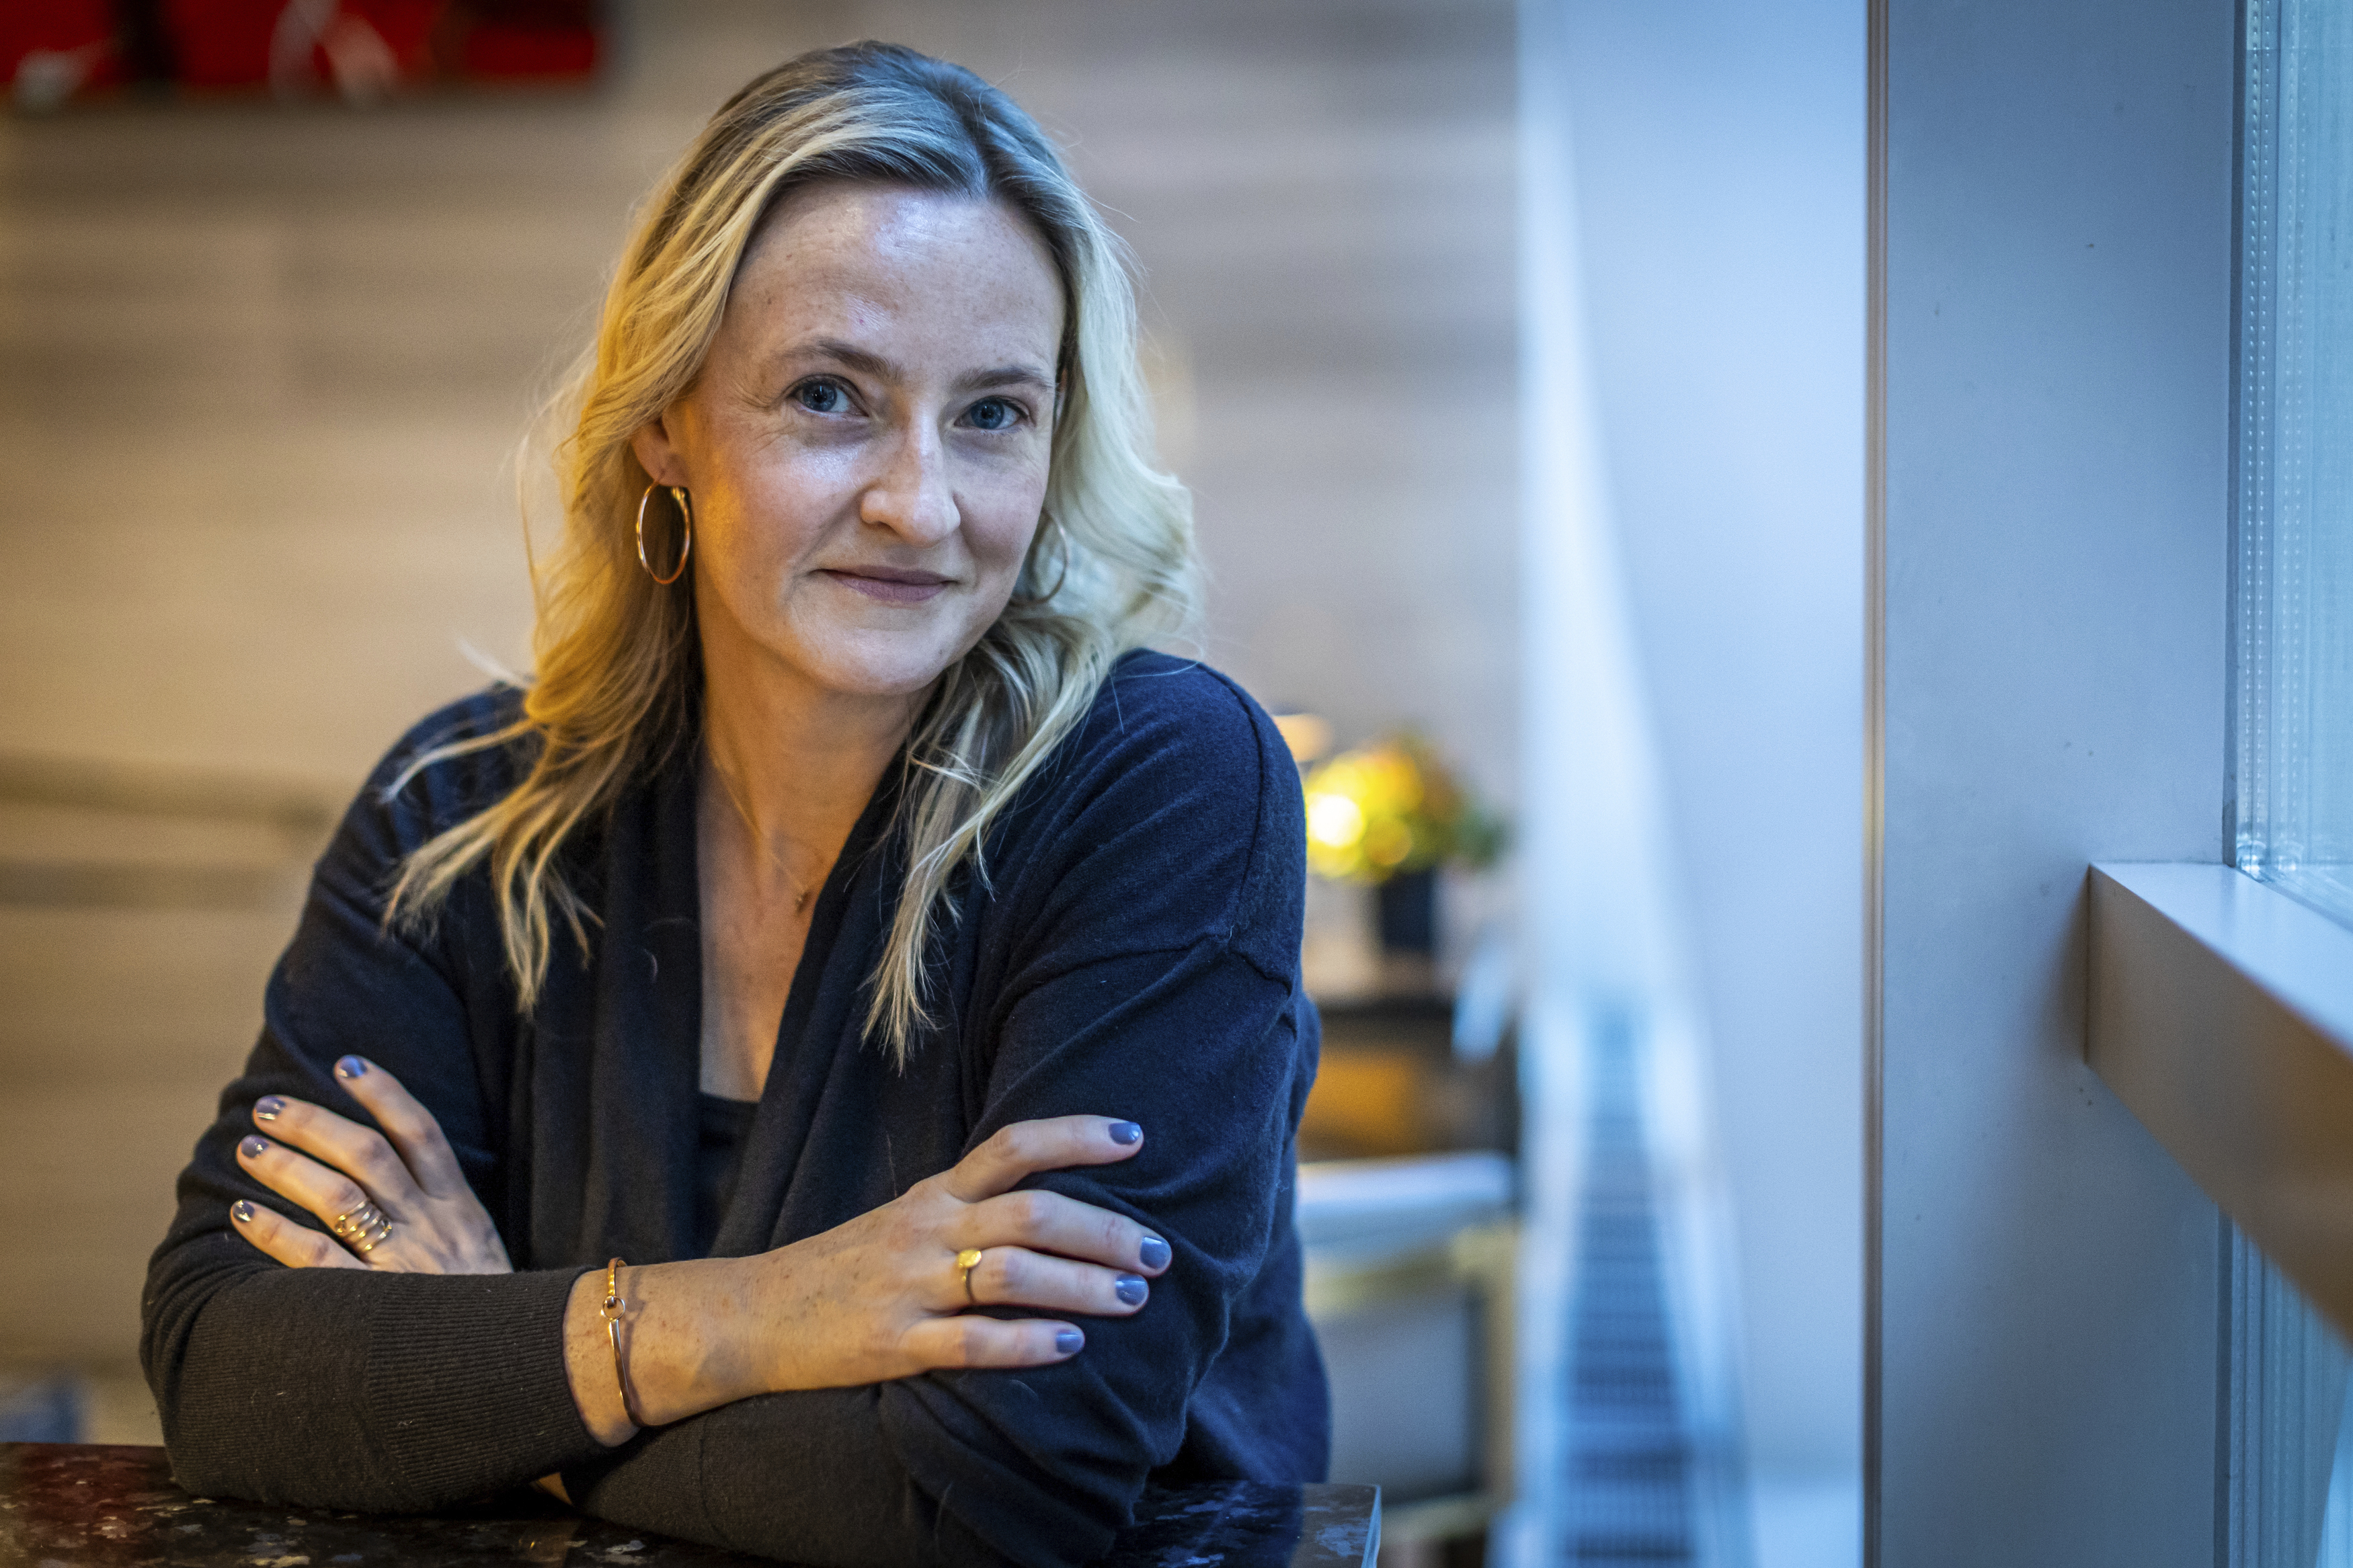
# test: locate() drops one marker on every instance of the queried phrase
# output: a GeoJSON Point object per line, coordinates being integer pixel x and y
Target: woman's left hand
{"type": "Point", "coordinates": [332, 1166]}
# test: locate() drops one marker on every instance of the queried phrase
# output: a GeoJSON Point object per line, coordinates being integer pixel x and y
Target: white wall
{"type": "Point", "coordinates": [2057, 267]}
{"type": "Point", "coordinates": [2058, 182]}
{"type": "Point", "coordinates": [1720, 151]}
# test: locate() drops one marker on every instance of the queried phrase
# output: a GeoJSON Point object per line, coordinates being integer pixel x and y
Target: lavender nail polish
{"type": "Point", "coordinates": [1152, 1252]}
{"type": "Point", "coordinates": [241, 1211]}
{"type": "Point", "coordinates": [1125, 1132]}
{"type": "Point", "coordinates": [1068, 1341]}
{"type": "Point", "coordinates": [254, 1148]}
{"type": "Point", "coordinates": [1130, 1289]}
{"type": "Point", "coordinates": [267, 1108]}
{"type": "Point", "coordinates": [350, 1067]}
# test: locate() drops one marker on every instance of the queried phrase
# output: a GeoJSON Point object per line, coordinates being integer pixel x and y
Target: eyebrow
{"type": "Point", "coordinates": [851, 357]}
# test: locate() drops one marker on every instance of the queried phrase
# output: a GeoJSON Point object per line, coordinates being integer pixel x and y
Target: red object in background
{"type": "Point", "coordinates": [512, 39]}
{"type": "Point", "coordinates": [365, 47]}
{"type": "Point", "coordinates": [221, 43]}
{"type": "Point", "coordinates": [52, 49]}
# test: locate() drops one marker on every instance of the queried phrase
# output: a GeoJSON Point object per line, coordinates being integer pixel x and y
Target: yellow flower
{"type": "Point", "coordinates": [1391, 808]}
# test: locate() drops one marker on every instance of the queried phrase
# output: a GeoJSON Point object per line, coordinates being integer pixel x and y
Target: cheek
{"type": "Point", "coordinates": [764, 515]}
{"type": "Point", "coordinates": [1000, 517]}
{"type": "Point", "coordinates": [1001, 547]}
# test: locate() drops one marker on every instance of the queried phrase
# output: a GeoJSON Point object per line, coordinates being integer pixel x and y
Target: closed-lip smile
{"type": "Point", "coordinates": [891, 585]}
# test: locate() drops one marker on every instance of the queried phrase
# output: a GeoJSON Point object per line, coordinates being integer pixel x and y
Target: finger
{"type": "Point", "coordinates": [1050, 1222]}
{"type": "Point", "coordinates": [296, 1246]}
{"type": "Point", "coordinates": [973, 1340]}
{"type": "Point", "coordinates": [360, 1153]}
{"type": "Point", "coordinates": [1019, 1149]}
{"type": "Point", "coordinates": [412, 1129]}
{"type": "Point", "coordinates": [1016, 1276]}
{"type": "Point", "coordinates": [327, 1193]}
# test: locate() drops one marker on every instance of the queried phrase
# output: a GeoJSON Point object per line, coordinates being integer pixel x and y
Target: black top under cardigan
{"type": "Point", "coordinates": [1134, 953]}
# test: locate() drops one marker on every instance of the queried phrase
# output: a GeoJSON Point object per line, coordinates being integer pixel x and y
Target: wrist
{"type": "Point", "coordinates": [690, 1338]}
{"type": "Point", "coordinates": [588, 1364]}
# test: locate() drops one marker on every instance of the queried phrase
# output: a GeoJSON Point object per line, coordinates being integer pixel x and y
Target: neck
{"type": "Point", "coordinates": [791, 767]}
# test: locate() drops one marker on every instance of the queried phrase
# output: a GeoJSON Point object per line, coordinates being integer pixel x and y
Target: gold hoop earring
{"type": "Point", "coordinates": [1032, 600]}
{"type": "Point", "coordinates": [685, 534]}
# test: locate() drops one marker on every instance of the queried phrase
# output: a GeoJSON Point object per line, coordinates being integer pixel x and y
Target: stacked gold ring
{"type": "Point", "coordinates": [363, 1229]}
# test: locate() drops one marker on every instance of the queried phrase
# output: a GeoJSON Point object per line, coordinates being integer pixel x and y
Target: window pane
{"type": "Point", "coordinates": [2295, 455]}
{"type": "Point", "coordinates": [2283, 1409]}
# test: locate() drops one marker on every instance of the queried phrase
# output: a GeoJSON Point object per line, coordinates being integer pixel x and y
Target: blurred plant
{"type": "Point", "coordinates": [1393, 807]}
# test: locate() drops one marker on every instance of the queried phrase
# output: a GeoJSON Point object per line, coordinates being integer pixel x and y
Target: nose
{"type": "Point", "coordinates": [911, 497]}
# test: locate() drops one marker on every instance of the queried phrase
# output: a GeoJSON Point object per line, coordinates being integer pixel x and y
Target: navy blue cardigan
{"type": "Point", "coordinates": [1134, 953]}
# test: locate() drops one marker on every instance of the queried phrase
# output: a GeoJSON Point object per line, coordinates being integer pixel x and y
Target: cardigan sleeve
{"type": "Point", "coordinates": [334, 1388]}
{"type": "Point", "coordinates": [1152, 977]}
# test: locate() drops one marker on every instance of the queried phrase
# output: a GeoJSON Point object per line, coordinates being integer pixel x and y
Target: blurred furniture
{"type": "Point", "coordinates": [1391, 1083]}
{"type": "Point", "coordinates": [1407, 1212]}
{"type": "Point", "coordinates": [41, 1409]}
{"type": "Point", "coordinates": [101, 1506]}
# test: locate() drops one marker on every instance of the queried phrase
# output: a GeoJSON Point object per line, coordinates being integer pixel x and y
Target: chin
{"type": "Point", "coordinates": [873, 666]}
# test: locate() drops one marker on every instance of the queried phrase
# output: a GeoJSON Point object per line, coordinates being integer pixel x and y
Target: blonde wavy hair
{"type": "Point", "coordinates": [617, 689]}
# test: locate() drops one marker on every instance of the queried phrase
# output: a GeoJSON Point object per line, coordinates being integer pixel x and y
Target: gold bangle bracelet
{"type": "Point", "coordinates": [611, 1312]}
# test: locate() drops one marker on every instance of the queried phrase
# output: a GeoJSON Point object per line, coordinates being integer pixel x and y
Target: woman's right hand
{"type": "Point", "coordinates": [883, 1297]}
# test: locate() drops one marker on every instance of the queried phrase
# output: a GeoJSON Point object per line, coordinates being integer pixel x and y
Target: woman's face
{"type": "Point", "coordinates": [866, 446]}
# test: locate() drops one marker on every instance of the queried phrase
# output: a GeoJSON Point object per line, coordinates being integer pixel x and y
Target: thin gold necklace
{"type": "Point", "coordinates": [801, 890]}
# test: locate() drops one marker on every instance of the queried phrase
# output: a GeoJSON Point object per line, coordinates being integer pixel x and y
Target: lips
{"type": "Point", "coordinates": [889, 584]}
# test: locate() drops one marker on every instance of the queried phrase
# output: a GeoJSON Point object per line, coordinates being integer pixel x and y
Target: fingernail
{"type": "Point", "coordinates": [241, 1212]}
{"type": "Point", "coordinates": [267, 1108]}
{"type": "Point", "coordinates": [1152, 1252]}
{"type": "Point", "coordinates": [350, 1067]}
{"type": "Point", "coordinates": [1068, 1341]}
{"type": "Point", "coordinates": [1125, 1132]}
{"type": "Point", "coordinates": [1131, 1289]}
{"type": "Point", "coordinates": [254, 1148]}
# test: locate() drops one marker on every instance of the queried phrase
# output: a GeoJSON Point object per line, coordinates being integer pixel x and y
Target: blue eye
{"type": "Point", "coordinates": [821, 396]}
{"type": "Point", "coordinates": [993, 414]}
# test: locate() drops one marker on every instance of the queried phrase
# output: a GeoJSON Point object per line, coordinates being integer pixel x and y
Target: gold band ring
{"type": "Point", "coordinates": [363, 1229]}
{"type": "Point", "coordinates": [967, 1260]}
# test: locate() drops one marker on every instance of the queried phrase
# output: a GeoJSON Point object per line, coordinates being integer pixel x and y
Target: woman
{"type": "Point", "coordinates": [850, 929]}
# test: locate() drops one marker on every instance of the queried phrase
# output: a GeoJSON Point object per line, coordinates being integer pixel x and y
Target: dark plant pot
{"type": "Point", "coordinates": [1409, 912]}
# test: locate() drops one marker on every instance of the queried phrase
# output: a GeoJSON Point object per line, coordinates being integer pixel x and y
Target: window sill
{"type": "Point", "coordinates": [2222, 1013]}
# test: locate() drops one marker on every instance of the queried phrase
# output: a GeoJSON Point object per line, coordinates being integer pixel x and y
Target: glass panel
{"type": "Point", "coordinates": [2294, 454]}
{"type": "Point", "coordinates": [2284, 1406]}
{"type": "Point", "coordinates": [2288, 1479]}
{"type": "Point", "coordinates": [2336, 1526]}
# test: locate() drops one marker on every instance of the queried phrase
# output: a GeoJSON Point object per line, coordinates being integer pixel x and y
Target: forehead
{"type": "Point", "coordinates": [887, 262]}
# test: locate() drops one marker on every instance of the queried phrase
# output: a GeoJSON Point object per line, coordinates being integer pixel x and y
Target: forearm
{"type": "Point", "coordinates": [691, 1338]}
{"type": "Point", "coordinates": [806, 1476]}
{"type": "Point", "coordinates": [810, 1478]}
{"type": "Point", "coordinates": [763, 1442]}
{"type": "Point", "coordinates": [337, 1389]}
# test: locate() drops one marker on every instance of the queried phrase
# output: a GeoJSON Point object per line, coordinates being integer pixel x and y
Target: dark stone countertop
{"type": "Point", "coordinates": [80, 1505]}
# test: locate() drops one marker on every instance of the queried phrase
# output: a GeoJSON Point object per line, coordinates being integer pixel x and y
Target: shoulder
{"type": "Point", "coordinates": [1171, 815]}
{"type": "Point", "coordinates": [1171, 740]}
{"type": "Point", "coordinates": [1182, 719]}
{"type": "Point", "coordinates": [452, 764]}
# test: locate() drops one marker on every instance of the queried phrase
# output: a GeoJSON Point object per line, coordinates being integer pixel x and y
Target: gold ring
{"type": "Point", "coordinates": [967, 1260]}
{"type": "Point", "coordinates": [363, 1228]}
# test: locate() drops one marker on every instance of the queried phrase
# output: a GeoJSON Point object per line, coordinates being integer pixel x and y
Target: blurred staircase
{"type": "Point", "coordinates": [1628, 1501]}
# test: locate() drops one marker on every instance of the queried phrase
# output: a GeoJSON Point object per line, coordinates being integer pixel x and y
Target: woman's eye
{"type": "Point", "coordinates": [821, 396]}
{"type": "Point", "coordinates": [993, 414]}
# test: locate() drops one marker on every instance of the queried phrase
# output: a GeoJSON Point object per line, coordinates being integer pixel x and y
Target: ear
{"type": "Point", "coordinates": [657, 453]}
